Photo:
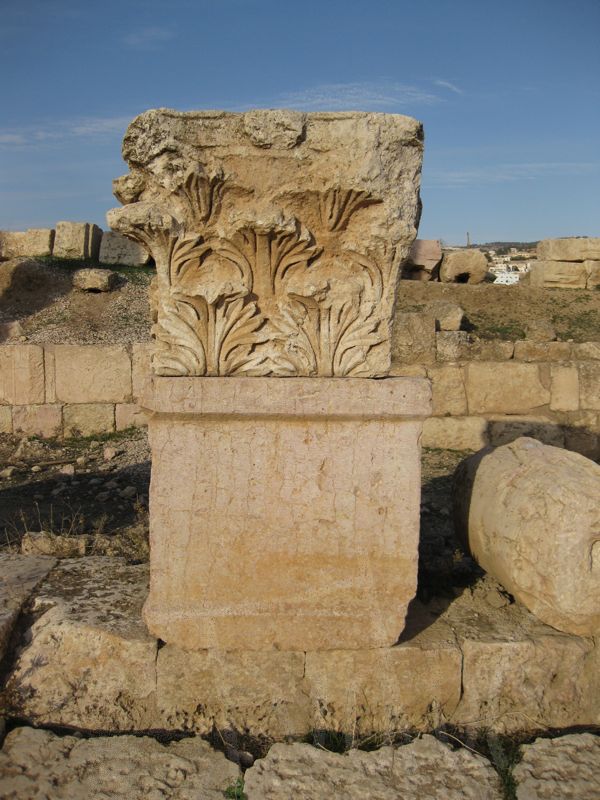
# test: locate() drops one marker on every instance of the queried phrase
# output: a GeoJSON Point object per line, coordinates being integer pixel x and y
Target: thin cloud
{"type": "Point", "coordinates": [364, 96]}
{"type": "Point", "coordinates": [509, 173]}
{"type": "Point", "coordinates": [86, 127]}
{"type": "Point", "coordinates": [148, 38]}
{"type": "Point", "coordinates": [449, 85]}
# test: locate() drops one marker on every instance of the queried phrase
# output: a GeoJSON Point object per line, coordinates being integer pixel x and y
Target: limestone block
{"type": "Point", "coordinates": [540, 330]}
{"type": "Point", "coordinates": [526, 350]}
{"type": "Point", "coordinates": [129, 415]}
{"type": "Point", "coordinates": [36, 763]}
{"type": "Point", "coordinates": [558, 274]}
{"type": "Point", "coordinates": [423, 260]}
{"type": "Point", "coordinates": [32, 242]}
{"type": "Point", "coordinates": [87, 660]}
{"type": "Point", "coordinates": [77, 240]}
{"type": "Point", "coordinates": [529, 514]}
{"type": "Point", "coordinates": [589, 384]}
{"type": "Point", "coordinates": [413, 338]}
{"type": "Point", "coordinates": [278, 236]}
{"type": "Point", "coordinates": [19, 576]}
{"type": "Point", "coordinates": [424, 769]}
{"type": "Point", "coordinates": [463, 266]}
{"type": "Point", "coordinates": [448, 316]}
{"type": "Point", "coordinates": [455, 433]}
{"type": "Point", "coordinates": [592, 269]}
{"type": "Point", "coordinates": [564, 390]}
{"type": "Point", "coordinates": [284, 461]}
{"type": "Point", "coordinates": [452, 345]}
{"type": "Point", "coordinates": [118, 249]}
{"type": "Point", "coordinates": [585, 351]}
{"type": "Point", "coordinates": [39, 420]}
{"type": "Point", "coordinates": [87, 419]}
{"type": "Point", "coordinates": [92, 373]}
{"type": "Point", "coordinates": [510, 388]}
{"type": "Point", "coordinates": [569, 249]}
{"type": "Point", "coordinates": [565, 768]}
{"type": "Point", "coordinates": [21, 374]}
{"type": "Point", "coordinates": [505, 429]}
{"type": "Point", "coordinates": [6, 425]}
{"type": "Point", "coordinates": [490, 350]}
{"type": "Point", "coordinates": [141, 368]}
{"type": "Point", "coordinates": [94, 280]}
{"type": "Point", "coordinates": [245, 691]}
{"type": "Point", "coordinates": [448, 390]}
{"type": "Point", "coordinates": [408, 370]}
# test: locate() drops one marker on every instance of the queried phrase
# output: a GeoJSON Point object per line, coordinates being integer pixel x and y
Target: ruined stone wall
{"type": "Point", "coordinates": [483, 391]}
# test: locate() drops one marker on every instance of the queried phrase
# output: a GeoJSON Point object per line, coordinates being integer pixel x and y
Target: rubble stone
{"type": "Point", "coordinates": [118, 249]}
{"type": "Point", "coordinates": [463, 266]}
{"type": "Point", "coordinates": [565, 768]}
{"type": "Point", "coordinates": [424, 769]}
{"type": "Point", "coordinates": [45, 543]}
{"type": "Point", "coordinates": [37, 763]}
{"type": "Point", "coordinates": [529, 514]}
{"type": "Point", "coordinates": [448, 316]}
{"type": "Point", "coordinates": [423, 261]}
{"type": "Point", "coordinates": [94, 280]}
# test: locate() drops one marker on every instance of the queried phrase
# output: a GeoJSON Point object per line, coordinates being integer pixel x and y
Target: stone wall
{"type": "Point", "coordinates": [483, 391]}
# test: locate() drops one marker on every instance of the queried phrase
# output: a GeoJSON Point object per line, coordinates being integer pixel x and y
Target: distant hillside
{"type": "Point", "coordinates": [498, 245]}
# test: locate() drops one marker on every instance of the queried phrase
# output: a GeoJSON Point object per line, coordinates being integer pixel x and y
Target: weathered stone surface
{"type": "Point", "coordinates": [94, 280]}
{"type": "Point", "coordinates": [558, 274]}
{"type": "Point", "coordinates": [564, 391]}
{"type": "Point", "coordinates": [129, 415]}
{"type": "Point", "coordinates": [86, 419]}
{"type": "Point", "coordinates": [277, 236]}
{"type": "Point", "coordinates": [565, 768]}
{"type": "Point", "coordinates": [244, 691]}
{"type": "Point", "coordinates": [463, 266]}
{"type": "Point", "coordinates": [452, 345]}
{"type": "Point", "coordinates": [21, 374]}
{"type": "Point", "coordinates": [584, 351]}
{"type": "Point", "coordinates": [87, 660]}
{"type": "Point", "coordinates": [45, 543]}
{"type": "Point", "coordinates": [36, 764]}
{"type": "Point", "coordinates": [589, 384]}
{"type": "Point", "coordinates": [310, 456]}
{"type": "Point", "coordinates": [505, 429]}
{"type": "Point", "coordinates": [118, 249]}
{"type": "Point", "coordinates": [448, 316]}
{"type": "Point", "coordinates": [77, 240]}
{"type": "Point", "coordinates": [424, 769]}
{"type": "Point", "coordinates": [509, 388]}
{"type": "Point", "coordinates": [490, 350]}
{"type": "Point", "coordinates": [39, 420]}
{"type": "Point", "coordinates": [540, 330]}
{"type": "Point", "coordinates": [32, 242]}
{"type": "Point", "coordinates": [6, 425]}
{"type": "Point", "coordinates": [455, 433]}
{"type": "Point", "coordinates": [448, 390]}
{"type": "Point", "coordinates": [569, 249]}
{"type": "Point", "coordinates": [141, 369]}
{"type": "Point", "coordinates": [413, 338]}
{"type": "Point", "coordinates": [19, 576]}
{"type": "Point", "coordinates": [423, 260]}
{"type": "Point", "coordinates": [529, 513]}
{"type": "Point", "coordinates": [526, 350]}
{"type": "Point", "coordinates": [92, 373]}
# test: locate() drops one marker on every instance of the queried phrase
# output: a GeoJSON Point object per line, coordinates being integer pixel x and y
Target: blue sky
{"type": "Point", "coordinates": [508, 91]}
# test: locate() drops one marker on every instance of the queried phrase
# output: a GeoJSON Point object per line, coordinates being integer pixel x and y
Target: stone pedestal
{"type": "Point", "coordinates": [284, 513]}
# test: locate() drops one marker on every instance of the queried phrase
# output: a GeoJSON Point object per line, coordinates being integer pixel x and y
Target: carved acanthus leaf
{"type": "Point", "coordinates": [202, 196]}
{"type": "Point", "coordinates": [338, 205]}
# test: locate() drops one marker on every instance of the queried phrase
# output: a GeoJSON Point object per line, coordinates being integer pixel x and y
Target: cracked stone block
{"type": "Point", "coordinates": [37, 763]}
{"type": "Point", "coordinates": [278, 236]}
{"type": "Point", "coordinates": [77, 240]}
